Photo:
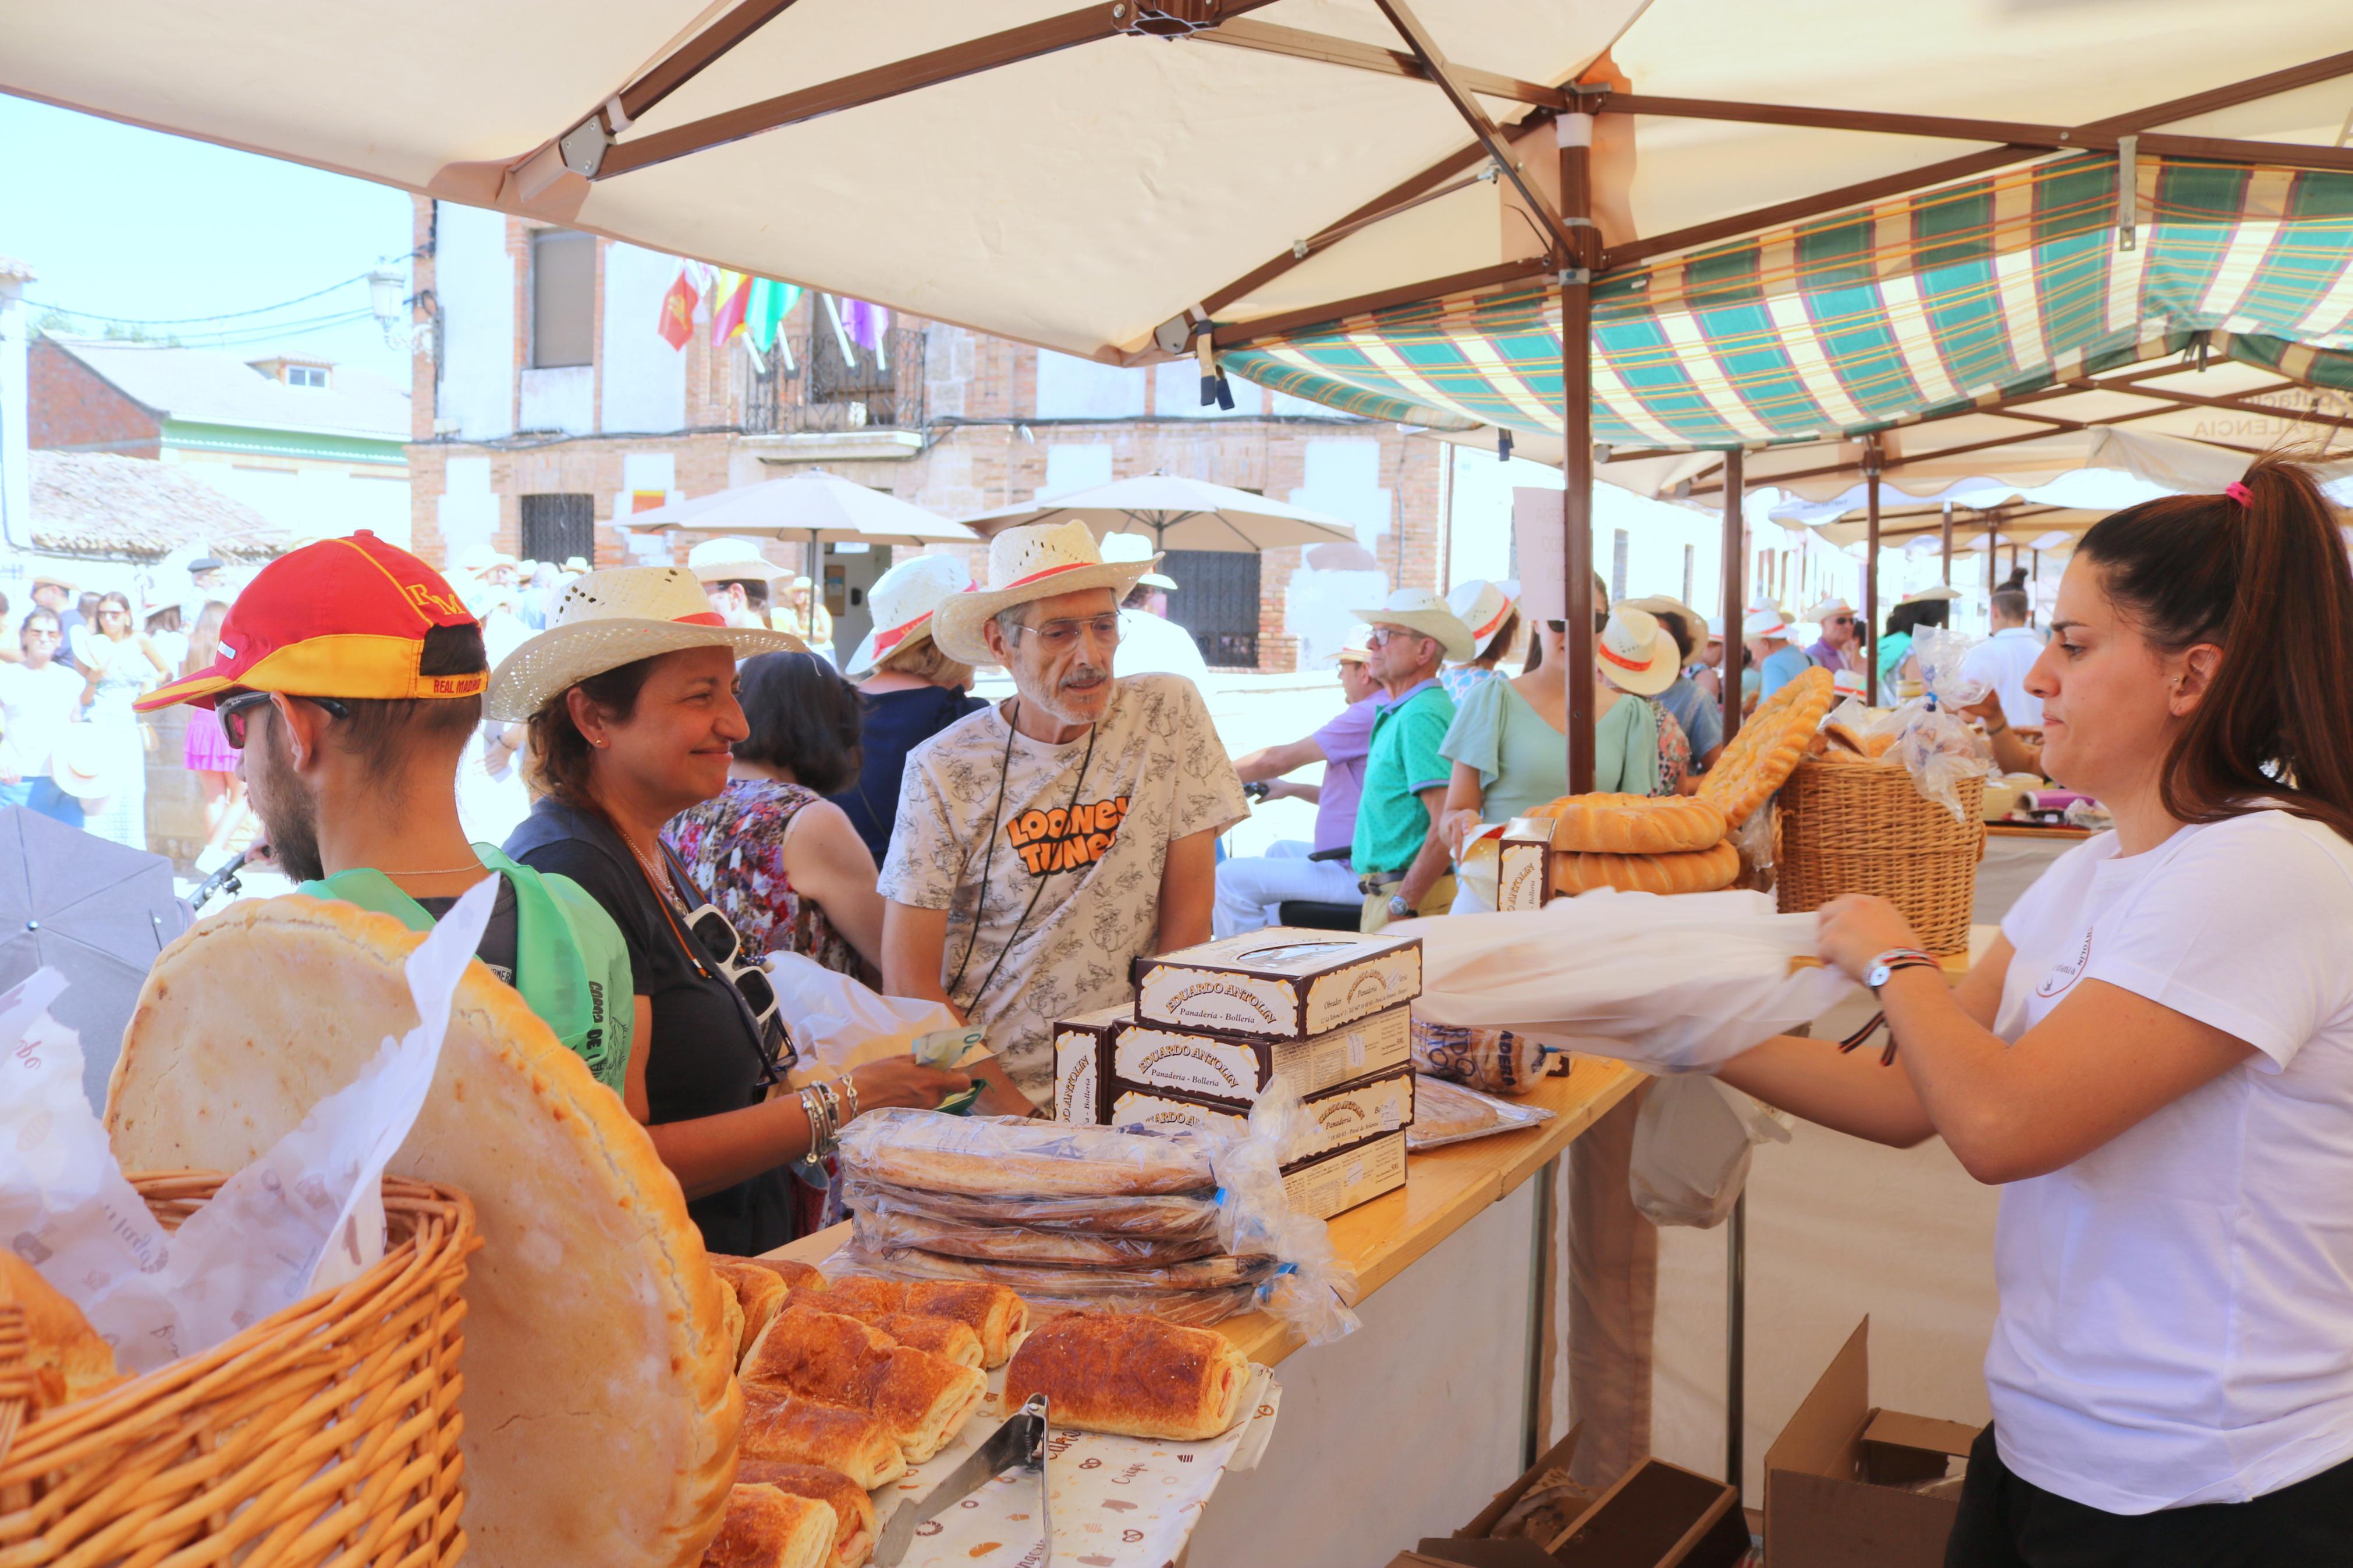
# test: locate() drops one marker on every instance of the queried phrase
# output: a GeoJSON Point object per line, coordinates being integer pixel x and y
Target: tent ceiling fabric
{"type": "Point", "coordinates": [1950, 299]}
{"type": "Point", "coordinates": [1078, 199]}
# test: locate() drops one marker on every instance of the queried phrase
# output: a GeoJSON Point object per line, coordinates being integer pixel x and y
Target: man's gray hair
{"type": "Point", "coordinates": [1008, 621]}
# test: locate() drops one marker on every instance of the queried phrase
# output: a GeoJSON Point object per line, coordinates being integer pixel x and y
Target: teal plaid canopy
{"type": "Point", "coordinates": [1954, 299]}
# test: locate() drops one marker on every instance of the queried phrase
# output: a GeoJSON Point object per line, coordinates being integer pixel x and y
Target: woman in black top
{"type": "Point", "coordinates": [631, 697]}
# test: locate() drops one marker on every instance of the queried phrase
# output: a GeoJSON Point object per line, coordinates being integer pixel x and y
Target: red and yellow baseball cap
{"type": "Point", "coordinates": [343, 617]}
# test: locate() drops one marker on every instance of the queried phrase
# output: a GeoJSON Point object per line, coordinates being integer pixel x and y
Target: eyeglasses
{"type": "Point", "coordinates": [235, 712]}
{"type": "Point", "coordinates": [724, 946]}
{"type": "Point", "coordinates": [1840, 621]}
{"type": "Point", "coordinates": [1059, 636]}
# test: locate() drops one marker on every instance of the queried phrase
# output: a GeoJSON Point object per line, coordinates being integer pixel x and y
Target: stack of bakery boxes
{"type": "Point", "coordinates": [1212, 1025]}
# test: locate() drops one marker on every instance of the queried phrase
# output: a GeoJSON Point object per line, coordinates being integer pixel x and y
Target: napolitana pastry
{"type": "Point", "coordinates": [1132, 1376]}
{"type": "Point", "coordinates": [853, 1509]}
{"type": "Point", "coordinates": [731, 1305]}
{"type": "Point", "coordinates": [1633, 823]}
{"type": "Point", "coordinates": [1698, 872]}
{"type": "Point", "coordinates": [761, 1291]}
{"type": "Point", "coordinates": [766, 1527]}
{"type": "Point", "coordinates": [589, 1261]}
{"type": "Point", "coordinates": [992, 1311]}
{"type": "Point", "coordinates": [782, 1425]}
{"type": "Point", "coordinates": [63, 1351]}
{"type": "Point", "coordinates": [1757, 761]}
{"type": "Point", "coordinates": [921, 1399]}
{"type": "Point", "coordinates": [993, 1155]}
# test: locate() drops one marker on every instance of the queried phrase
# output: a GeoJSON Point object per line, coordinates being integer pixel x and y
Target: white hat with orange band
{"type": "Point", "coordinates": [1637, 653]}
{"type": "Point", "coordinates": [1481, 606]}
{"type": "Point", "coordinates": [903, 600]}
{"type": "Point", "coordinates": [1036, 561]}
{"type": "Point", "coordinates": [606, 619]}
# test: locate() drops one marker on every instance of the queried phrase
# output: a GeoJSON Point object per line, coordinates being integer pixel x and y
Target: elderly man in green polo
{"type": "Point", "coordinates": [1401, 863]}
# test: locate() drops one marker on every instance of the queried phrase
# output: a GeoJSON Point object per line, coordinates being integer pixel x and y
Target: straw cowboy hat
{"type": "Point", "coordinates": [1930, 595]}
{"type": "Point", "coordinates": [576, 564]}
{"type": "Point", "coordinates": [1357, 650]}
{"type": "Point", "coordinates": [1638, 653]}
{"type": "Point", "coordinates": [1037, 560]}
{"type": "Point", "coordinates": [1124, 548]}
{"type": "Point", "coordinates": [1668, 604]}
{"type": "Point", "coordinates": [1420, 610]}
{"type": "Point", "coordinates": [903, 600]}
{"type": "Point", "coordinates": [92, 761]}
{"type": "Point", "coordinates": [1833, 606]}
{"type": "Point", "coordinates": [1481, 606]}
{"type": "Point", "coordinates": [610, 619]}
{"type": "Point", "coordinates": [730, 561]}
{"type": "Point", "coordinates": [1765, 621]}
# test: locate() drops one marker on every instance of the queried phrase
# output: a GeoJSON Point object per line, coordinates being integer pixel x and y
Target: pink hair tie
{"type": "Point", "coordinates": [2239, 493]}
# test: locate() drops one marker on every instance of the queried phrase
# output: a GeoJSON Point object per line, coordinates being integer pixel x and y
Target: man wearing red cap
{"type": "Point", "coordinates": [349, 676]}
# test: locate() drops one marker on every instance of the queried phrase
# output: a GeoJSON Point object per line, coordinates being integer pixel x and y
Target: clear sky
{"type": "Point", "coordinates": [134, 223]}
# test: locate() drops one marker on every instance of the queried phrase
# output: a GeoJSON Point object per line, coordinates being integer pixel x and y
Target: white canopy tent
{"type": "Point", "coordinates": [821, 508]}
{"type": "Point", "coordinates": [1179, 513]}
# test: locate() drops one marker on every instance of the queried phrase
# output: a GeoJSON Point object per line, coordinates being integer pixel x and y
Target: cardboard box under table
{"type": "Point", "coordinates": [1837, 1479]}
{"type": "Point", "coordinates": [1656, 1515]}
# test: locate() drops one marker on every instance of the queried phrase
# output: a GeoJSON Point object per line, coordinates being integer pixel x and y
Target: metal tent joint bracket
{"type": "Point", "coordinates": [584, 147]}
{"type": "Point", "coordinates": [1166, 18]}
{"type": "Point", "coordinates": [1573, 276]}
{"type": "Point", "coordinates": [2127, 192]}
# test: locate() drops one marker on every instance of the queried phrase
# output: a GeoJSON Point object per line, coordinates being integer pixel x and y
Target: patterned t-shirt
{"type": "Point", "coordinates": [1072, 864]}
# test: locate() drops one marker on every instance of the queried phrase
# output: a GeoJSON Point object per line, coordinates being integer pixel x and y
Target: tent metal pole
{"type": "Point", "coordinates": [1949, 544]}
{"type": "Point", "coordinates": [1868, 639]}
{"type": "Point", "coordinates": [1736, 593]}
{"type": "Point", "coordinates": [1574, 135]}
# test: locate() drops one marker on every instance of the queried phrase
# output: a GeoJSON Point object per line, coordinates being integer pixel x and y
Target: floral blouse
{"type": "Point", "coordinates": [733, 847]}
{"type": "Point", "coordinates": [1674, 750]}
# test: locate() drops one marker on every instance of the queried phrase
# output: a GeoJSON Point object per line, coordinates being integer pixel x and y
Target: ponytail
{"type": "Point", "coordinates": [2262, 574]}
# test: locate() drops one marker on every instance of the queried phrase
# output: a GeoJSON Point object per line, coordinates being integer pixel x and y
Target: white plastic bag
{"type": "Point", "coordinates": [835, 1023]}
{"type": "Point", "coordinates": [1312, 1287]}
{"type": "Point", "coordinates": [1671, 985]}
{"type": "Point", "coordinates": [1691, 1147]}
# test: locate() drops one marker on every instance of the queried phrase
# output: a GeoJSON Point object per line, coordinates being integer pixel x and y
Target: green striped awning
{"type": "Point", "coordinates": [1952, 299]}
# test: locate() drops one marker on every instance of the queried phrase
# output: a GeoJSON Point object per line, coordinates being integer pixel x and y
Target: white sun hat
{"type": "Point", "coordinates": [1481, 606]}
{"type": "Point", "coordinates": [607, 619]}
{"type": "Point", "coordinates": [1833, 606]}
{"type": "Point", "coordinates": [1637, 653]}
{"type": "Point", "coordinates": [1668, 604]}
{"type": "Point", "coordinates": [1420, 610]}
{"type": "Point", "coordinates": [1930, 595]}
{"type": "Point", "coordinates": [903, 600]}
{"type": "Point", "coordinates": [1036, 561]}
{"type": "Point", "coordinates": [730, 561]}
{"type": "Point", "coordinates": [1357, 650]}
{"type": "Point", "coordinates": [1126, 547]}
{"type": "Point", "coordinates": [1765, 622]}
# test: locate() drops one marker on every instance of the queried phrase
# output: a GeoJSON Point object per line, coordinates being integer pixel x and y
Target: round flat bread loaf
{"type": "Point", "coordinates": [1696, 871]}
{"type": "Point", "coordinates": [1772, 742]}
{"type": "Point", "coordinates": [600, 1404]}
{"type": "Point", "coordinates": [1633, 823]}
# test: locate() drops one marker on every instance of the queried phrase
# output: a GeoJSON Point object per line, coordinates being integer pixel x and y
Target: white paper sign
{"type": "Point", "coordinates": [1543, 554]}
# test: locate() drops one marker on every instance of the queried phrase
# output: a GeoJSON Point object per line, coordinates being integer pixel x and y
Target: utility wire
{"type": "Point", "coordinates": [194, 321]}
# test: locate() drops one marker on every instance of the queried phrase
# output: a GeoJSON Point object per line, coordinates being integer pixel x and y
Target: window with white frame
{"type": "Point", "coordinates": [307, 375]}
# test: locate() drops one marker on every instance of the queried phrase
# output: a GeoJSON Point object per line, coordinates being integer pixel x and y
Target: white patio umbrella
{"type": "Point", "coordinates": [822, 508]}
{"type": "Point", "coordinates": [1179, 514]}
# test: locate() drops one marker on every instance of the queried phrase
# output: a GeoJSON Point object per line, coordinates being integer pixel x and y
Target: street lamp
{"type": "Point", "coordinates": [385, 302]}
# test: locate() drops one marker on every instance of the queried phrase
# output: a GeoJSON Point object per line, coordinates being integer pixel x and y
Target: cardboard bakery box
{"type": "Point", "coordinates": [1082, 1045]}
{"type": "Point", "coordinates": [1557, 1457]}
{"type": "Point", "coordinates": [1281, 984]}
{"type": "Point", "coordinates": [1345, 1117]}
{"type": "Point", "coordinates": [1524, 865]}
{"type": "Point", "coordinates": [1226, 1070]}
{"type": "Point", "coordinates": [1338, 1182]}
{"type": "Point", "coordinates": [1659, 1515]}
{"type": "Point", "coordinates": [1838, 1480]}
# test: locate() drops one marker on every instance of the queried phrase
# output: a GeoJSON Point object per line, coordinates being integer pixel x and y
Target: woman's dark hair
{"type": "Point", "coordinates": [2268, 582]}
{"type": "Point", "coordinates": [1683, 631]}
{"type": "Point", "coordinates": [560, 756]}
{"type": "Point", "coordinates": [1501, 643]}
{"type": "Point", "coordinates": [123, 601]}
{"type": "Point", "coordinates": [803, 717]}
{"type": "Point", "coordinates": [1911, 617]}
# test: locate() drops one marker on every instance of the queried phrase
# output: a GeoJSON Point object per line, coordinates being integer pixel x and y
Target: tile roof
{"type": "Point", "coordinates": [206, 387]}
{"type": "Point", "coordinates": [97, 504]}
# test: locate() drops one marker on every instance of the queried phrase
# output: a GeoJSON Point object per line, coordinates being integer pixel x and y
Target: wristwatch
{"type": "Point", "coordinates": [1881, 968]}
{"type": "Point", "coordinates": [1398, 909]}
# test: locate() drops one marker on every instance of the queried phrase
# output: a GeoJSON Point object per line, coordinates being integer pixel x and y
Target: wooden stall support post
{"type": "Point", "coordinates": [1736, 1337]}
{"type": "Point", "coordinates": [1735, 558]}
{"type": "Point", "coordinates": [1533, 1411]}
{"type": "Point", "coordinates": [1574, 134]}
{"type": "Point", "coordinates": [1873, 460]}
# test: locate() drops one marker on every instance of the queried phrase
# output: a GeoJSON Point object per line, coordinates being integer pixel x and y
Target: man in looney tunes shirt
{"type": "Point", "coordinates": [1045, 843]}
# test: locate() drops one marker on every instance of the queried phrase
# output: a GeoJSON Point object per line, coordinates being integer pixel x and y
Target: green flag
{"type": "Point", "coordinates": [771, 302]}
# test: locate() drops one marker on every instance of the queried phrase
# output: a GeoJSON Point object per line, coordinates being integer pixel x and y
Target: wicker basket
{"type": "Point", "coordinates": [1864, 827]}
{"type": "Point", "coordinates": [326, 1431]}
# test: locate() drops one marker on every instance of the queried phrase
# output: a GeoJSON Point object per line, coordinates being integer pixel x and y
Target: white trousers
{"type": "Point", "coordinates": [1252, 886]}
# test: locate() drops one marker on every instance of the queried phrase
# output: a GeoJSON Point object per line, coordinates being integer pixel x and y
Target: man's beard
{"type": "Point", "coordinates": [290, 815]}
{"type": "Point", "coordinates": [1077, 707]}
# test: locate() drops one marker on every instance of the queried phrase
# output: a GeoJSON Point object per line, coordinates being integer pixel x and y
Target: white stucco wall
{"type": "Point", "coordinates": [1070, 387]}
{"type": "Point", "coordinates": [319, 503]}
{"type": "Point", "coordinates": [473, 279]}
{"type": "Point", "coordinates": [644, 378]}
{"type": "Point", "coordinates": [560, 398]}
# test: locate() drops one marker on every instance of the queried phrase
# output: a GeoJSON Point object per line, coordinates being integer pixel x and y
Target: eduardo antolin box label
{"type": "Point", "coordinates": [1338, 1182]}
{"type": "Point", "coordinates": [1081, 1044]}
{"type": "Point", "coordinates": [1234, 1071]}
{"type": "Point", "coordinates": [1524, 865]}
{"type": "Point", "coordinates": [1280, 984]}
{"type": "Point", "coordinates": [1352, 1114]}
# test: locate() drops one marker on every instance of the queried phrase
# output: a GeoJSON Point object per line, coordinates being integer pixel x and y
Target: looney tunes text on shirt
{"type": "Point", "coordinates": [1066, 840]}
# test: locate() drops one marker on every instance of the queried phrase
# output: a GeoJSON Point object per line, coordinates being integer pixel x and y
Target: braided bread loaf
{"type": "Point", "coordinates": [1759, 760]}
{"type": "Point", "coordinates": [1633, 823]}
{"type": "Point", "coordinates": [1693, 872]}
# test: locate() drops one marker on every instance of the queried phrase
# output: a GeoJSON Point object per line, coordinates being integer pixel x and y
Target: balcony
{"type": "Point", "coordinates": [825, 391]}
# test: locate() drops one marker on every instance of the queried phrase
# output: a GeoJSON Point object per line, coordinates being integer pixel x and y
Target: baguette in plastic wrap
{"type": "Point", "coordinates": [880, 1224]}
{"type": "Point", "coordinates": [988, 1156]}
{"type": "Point", "coordinates": [1166, 1217]}
{"type": "Point", "coordinates": [1025, 1280]}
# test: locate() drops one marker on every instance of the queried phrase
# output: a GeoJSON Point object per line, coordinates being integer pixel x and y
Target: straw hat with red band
{"type": "Point", "coordinates": [343, 617]}
{"type": "Point", "coordinates": [1037, 560]}
{"type": "Point", "coordinates": [1638, 653]}
{"type": "Point", "coordinates": [903, 600]}
{"type": "Point", "coordinates": [616, 617]}
{"type": "Point", "coordinates": [1481, 606]}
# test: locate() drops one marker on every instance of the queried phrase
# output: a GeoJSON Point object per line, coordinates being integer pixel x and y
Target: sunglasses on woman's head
{"type": "Point", "coordinates": [236, 713]}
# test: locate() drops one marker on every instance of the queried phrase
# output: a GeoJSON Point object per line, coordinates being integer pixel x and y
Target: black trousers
{"type": "Point", "coordinates": [2006, 1522]}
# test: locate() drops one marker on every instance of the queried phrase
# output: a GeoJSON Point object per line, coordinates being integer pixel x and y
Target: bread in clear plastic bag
{"type": "Point", "coordinates": [1218, 1272]}
{"type": "Point", "coordinates": [1447, 1112]}
{"type": "Point", "coordinates": [880, 1225]}
{"type": "Point", "coordinates": [989, 1156]}
{"type": "Point", "coordinates": [1168, 1216]}
{"type": "Point", "coordinates": [1496, 1060]}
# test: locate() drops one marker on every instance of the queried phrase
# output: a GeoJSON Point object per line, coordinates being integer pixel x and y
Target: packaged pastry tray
{"type": "Point", "coordinates": [1281, 984]}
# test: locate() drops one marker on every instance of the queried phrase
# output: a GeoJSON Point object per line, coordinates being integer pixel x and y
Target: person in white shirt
{"type": "Point", "coordinates": [2002, 660]}
{"type": "Point", "coordinates": [2154, 1060]}
{"type": "Point", "coordinates": [1149, 642]}
{"type": "Point", "coordinates": [38, 697]}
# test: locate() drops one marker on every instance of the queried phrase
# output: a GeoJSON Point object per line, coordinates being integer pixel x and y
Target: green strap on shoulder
{"type": "Point", "coordinates": [571, 966]}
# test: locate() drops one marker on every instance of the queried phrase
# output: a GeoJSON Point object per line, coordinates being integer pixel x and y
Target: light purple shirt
{"type": "Point", "coordinates": [1345, 741]}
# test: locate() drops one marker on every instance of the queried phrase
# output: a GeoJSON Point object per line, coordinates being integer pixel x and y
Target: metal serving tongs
{"type": "Point", "coordinates": [1020, 1443]}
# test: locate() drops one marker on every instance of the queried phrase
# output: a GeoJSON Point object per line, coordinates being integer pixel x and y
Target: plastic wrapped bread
{"type": "Point", "coordinates": [1498, 1060]}
{"type": "Point", "coordinates": [1166, 1217]}
{"type": "Point", "coordinates": [989, 1156]}
{"type": "Point", "coordinates": [1200, 1274]}
{"type": "Point", "coordinates": [880, 1224]}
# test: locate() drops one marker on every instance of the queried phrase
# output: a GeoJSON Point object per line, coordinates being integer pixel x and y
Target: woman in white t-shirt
{"type": "Point", "coordinates": [2156, 1059]}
